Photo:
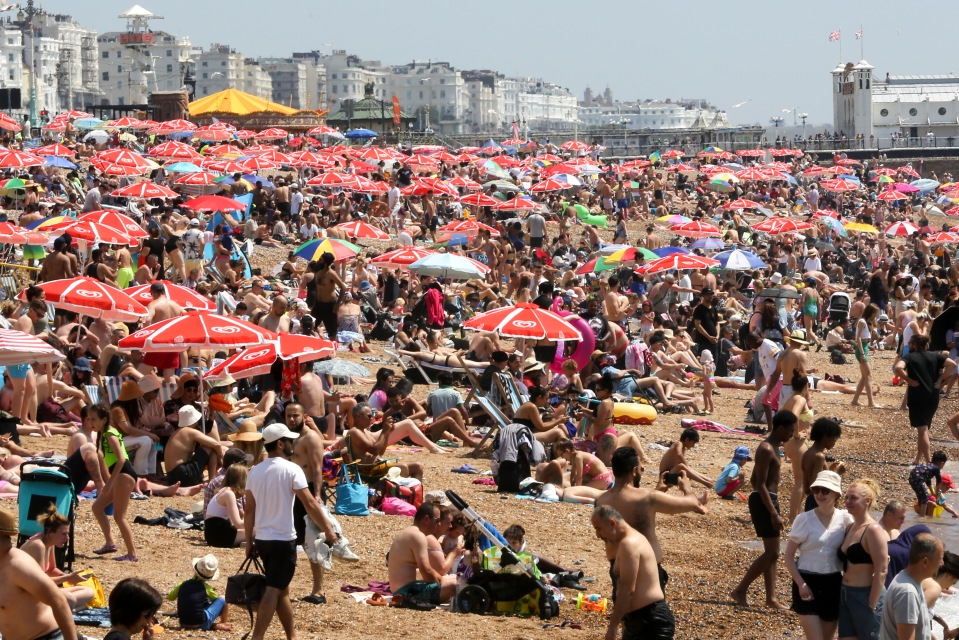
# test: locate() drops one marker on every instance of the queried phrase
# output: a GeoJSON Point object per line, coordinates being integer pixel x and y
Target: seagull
{"type": "Point", "coordinates": [4, 7]}
{"type": "Point", "coordinates": [741, 103]}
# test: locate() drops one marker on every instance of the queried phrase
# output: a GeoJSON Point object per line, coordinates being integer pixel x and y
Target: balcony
{"type": "Point", "coordinates": [137, 38]}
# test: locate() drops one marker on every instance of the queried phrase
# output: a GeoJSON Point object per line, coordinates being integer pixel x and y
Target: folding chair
{"type": "Point", "coordinates": [9, 285]}
{"type": "Point", "coordinates": [508, 391]}
{"type": "Point", "coordinates": [111, 387]}
{"type": "Point", "coordinates": [93, 393]}
{"type": "Point", "coordinates": [490, 407]}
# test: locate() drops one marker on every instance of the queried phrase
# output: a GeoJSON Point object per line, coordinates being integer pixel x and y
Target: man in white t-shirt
{"type": "Point", "coordinates": [270, 533]}
{"type": "Point", "coordinates": [767, 353]}
{"type": "Point", "coordinates": [192, 240]}
{"type": "Point", "coordinates": [296, 200]}
{"type": "Point", "coordinates": [684, 281]}
{"type": "Point", "coordinates": [536, 224]}
{"type": "Point", "coordinates": [904, 610]}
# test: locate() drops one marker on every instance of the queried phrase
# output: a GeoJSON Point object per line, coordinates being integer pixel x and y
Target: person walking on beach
{"type": "Point", "coordinates": [640, 603]}
{"type": "Point", "coordinates": [905, 615]}
{"type": "Point", "coordinates": [271, 487]}
{"type": "Point", "coordinates": [860, 344]}
{"type": "Point", "coordinates": [764, 510]}
{"type": "Point", "coordinates": [924, 372]}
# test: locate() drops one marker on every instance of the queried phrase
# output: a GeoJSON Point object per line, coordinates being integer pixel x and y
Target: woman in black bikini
{"type": "Point", "coordinates": [865, 556]}
{"type": "Point", "coordinates": [547, 432]}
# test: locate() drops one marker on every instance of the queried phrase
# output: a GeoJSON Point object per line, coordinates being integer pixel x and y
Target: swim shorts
{"type": "Point", "coordinates": [652, 622]}
{"type": "Point", "coordinates": [922, 407]}
{"type": "Point", "coordinates": [420, 590]}
{"type": "Point", "coordinates": [762, 519]}
{"type": "Point", "coordinates": [279, 561]}
{"type": "Point", "coordinates": [190, 473]}
{"type": "Point", "coordinates": [18, 371]}
{"type": "Point", "coordinates": [124, 277]}
{"type": "Point", "coordinates": [325, 312]}
{"type": "Point", "coordinates": [162, 361]}
{"type": "Point", "coordinates": [856, 618]}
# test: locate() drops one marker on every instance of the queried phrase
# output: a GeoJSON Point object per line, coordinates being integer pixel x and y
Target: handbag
{"type": "Point", "coordinates": [246, 588]}
{"type": "Point", "coordinates": [90, 580]}
{"type": "Point", "coordinates": [352, 497]}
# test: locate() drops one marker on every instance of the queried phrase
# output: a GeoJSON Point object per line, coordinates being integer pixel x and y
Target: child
{"type": "Point", "coordinates": [709, 380]}
{"type": "Point", "coordinates": [825, 433]}
{"type": "Point", "coordinates": [920, 479]}
{"type": "Point", "coordinates": [674, 460]}
{"type": "Point", "coordinates": [731, 477]}
{"type": "Point", "coordinates": [197, 604]}
{"type": "Point", "coordinates": [133, 605]}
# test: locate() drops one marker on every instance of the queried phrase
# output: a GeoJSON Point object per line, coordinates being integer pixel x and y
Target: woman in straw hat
{"type": "Point", "coordinates": [248, 440]}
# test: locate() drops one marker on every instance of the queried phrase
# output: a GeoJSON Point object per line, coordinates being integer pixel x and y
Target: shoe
{"type": "Point", "coordinates": [314, 599]}
{"type": "Point", "coordinates": [174, 523]}
{"type": "Point", "coordinates": [342, 551]}
{"type": "Point", "coordinates": [324, 554]}
{"type": "Point", "coordinates": [105, 549]}
{"type": "Point", "coordinates": [127, 558]}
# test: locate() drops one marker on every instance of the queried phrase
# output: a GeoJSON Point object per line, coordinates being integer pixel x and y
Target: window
{"type": "Point", "coordinates": [442, 80]}
{"type": "Point", "coordinates": [443, 94]}
{"type": "Point", "coordinates": [913, 111]}
{"type": "Point", "coordinates": [9, 57]}
{"type": "Point", "coordinates": [942, 111]}
{"type": "Point", "coordinates": [334, 76]}
{"type": "Point", "coordinates": [119, 68]}
{"type": "Point", "coordinates": [334, 89]}
{"type": "Point", "coordinates": [421, 95]}
{"type": "Point", "coordinates": [409, 95]}
{"type": "Point", "coordinates": [10, 75]}
{"type": "Point", "coordinates": [884, 112]}
{"type": "Point", "coordinates": [204, 64]}
{"type": "Point", "coordinates": [169, 68]}
{"type": "Point", "coordinates": [205, 75]}
{"type": "Point", "coordinates": [223, 63]}
{"type": "Point", "coordinates": [106, 54]}
{"type": "Point", "coordinates": [106, 76]}
{"type": "Point", "coordinates": [169, 53]}
{"type": "Point", "coordinates": [119, 98]}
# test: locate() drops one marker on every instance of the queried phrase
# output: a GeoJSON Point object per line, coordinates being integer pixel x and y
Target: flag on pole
{"type": "Point", "coordinates": [859, 35]}
{"type": "Point", "coordinates": [834, 35]}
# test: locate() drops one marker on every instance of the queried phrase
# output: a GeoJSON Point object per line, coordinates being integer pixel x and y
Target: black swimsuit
{"type": "Point", "coordinates": [855, 553]}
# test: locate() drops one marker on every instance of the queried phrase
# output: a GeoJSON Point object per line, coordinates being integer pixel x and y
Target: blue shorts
{"type": "Point", "coordinates": [18, 371]}
{"type": "Point", "coordinates": [856, 619]}
{"type": "Point", "coordinates": [421, 590]}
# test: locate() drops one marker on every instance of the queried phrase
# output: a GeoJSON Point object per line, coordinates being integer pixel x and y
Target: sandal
{"type": "Point", "coordinates": [105, 549]}
{"type": "Point", "coordinates": [127, 558]}
{"type": "Point", "coordinates": [314, 599]}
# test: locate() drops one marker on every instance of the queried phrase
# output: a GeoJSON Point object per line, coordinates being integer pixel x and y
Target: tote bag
{"type": "Point", "coordinates": [352, 496]}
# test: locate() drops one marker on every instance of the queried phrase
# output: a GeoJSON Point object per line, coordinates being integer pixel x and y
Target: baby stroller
{"type": "Point", "coordinates": [512, 590]}
{"type": "Point", "coordinates": [44, 484]}
{"type": "Point", "coordinates": [839, 305]}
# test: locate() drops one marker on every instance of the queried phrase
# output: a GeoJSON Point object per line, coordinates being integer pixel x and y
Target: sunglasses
{"type": "Point", "coordinates": [821, 491]}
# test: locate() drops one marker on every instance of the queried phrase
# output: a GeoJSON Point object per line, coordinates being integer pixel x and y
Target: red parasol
{"type": "Point", "coordinates": [186, 298]}
{"type": "Point", "coordinates": [677, 262]}
{"type": "Point", "coordinates": [524, 320]}
{"type": "Point", "coordinates": [360, 229]}
{"type": "Point", "coordinates": [257, 361]}
{"type": "Point", "coordinates": [145, 189]}
{"type": "Point", "coordinates": [92, 298]}
{"type": "Point", "coordinates": [200, 329]}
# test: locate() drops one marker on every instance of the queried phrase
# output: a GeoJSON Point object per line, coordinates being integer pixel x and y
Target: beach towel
{"type": "Point", "coordinates": [382, 588]}
{"type": "Point", "coordinates": [715, 427]}
{"type": "Point", "coordinates": [434, 308]}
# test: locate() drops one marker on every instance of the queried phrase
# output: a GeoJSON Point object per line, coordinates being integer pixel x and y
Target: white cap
{"type": "Point", "coordinates": [278, 431]}
{"type": "Point", "coordinates": [194, 222]}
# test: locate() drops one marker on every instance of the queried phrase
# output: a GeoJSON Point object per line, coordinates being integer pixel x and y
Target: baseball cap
{"type": "Point", "coordinates": [194, 222]}
{"type": "Point", "coordinates": [707, 291]}
{"type": "Point", "coordinates": [278, 431]}
{"type": "Point", "coordinates": [742, 453]}
{"type": "Point", "coordinates": [947, 481]}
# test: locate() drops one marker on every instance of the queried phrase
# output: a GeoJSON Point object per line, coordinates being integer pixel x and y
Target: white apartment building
{"type": "Point", "coordinates": [656, 115]}
{"type": "Point", "coordinates": [348, 75]}
{"type": "Point", "coordinates": [74, 74]}
{"type": "Point", "coordinates": [289, 81]}
{"type": "Point", "coordinates": [434, 91]}
{"type": "Point", "coordinates": [11, 57]}
{"type": "Point", "coordinates": [140, 60]}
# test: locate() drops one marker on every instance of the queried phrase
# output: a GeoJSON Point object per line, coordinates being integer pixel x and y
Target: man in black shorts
{"type": "Point", "coordinates": [270, 490]}
{"type": "Point", "coordinates": [764, 509]}
{"type": "Point", "coordinates": [189, 451]}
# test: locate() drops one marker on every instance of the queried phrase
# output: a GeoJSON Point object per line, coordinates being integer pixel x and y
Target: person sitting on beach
{"type": "Point", "coordinates": [920, 479]}
{"type": "Point", "coordinates": [572, 468]}
{"type": "Point", "coordinates": [189, 451]}
{"type": "Point", "coordinates": [601, 414]}
{"type": "Point", "coordinates": [197, 605]}
{"type": "Point", "coordinates": [223, 523]}
{"type": "Point", "coordinates": [731, 477]}
{"type": "Point", "coordinates": [42, 548]}
{"type": "Point", "coordinates": [409, 553]}
{"type": "Point", "coordinates": [133, 607]}
{"type": "Point", "coordinates": [367, 448]}
{"type": "Point", "coordinates": [450, 417]}
{"type": "Point", "coordinates": [674, 460]}
{"type": "Point", "coordinates": [442, 356]}
{"type": "Point", "coordinates": [529, 414]}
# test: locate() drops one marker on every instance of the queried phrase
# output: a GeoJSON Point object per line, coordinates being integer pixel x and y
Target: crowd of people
{"type": "Point", "coordinates": [260, 449]}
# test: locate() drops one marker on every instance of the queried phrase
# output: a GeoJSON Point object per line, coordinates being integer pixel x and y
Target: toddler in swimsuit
{"type": "Point", "coordinates": [709, 379]}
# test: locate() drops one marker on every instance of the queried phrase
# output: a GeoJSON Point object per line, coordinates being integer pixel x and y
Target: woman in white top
{"type": "Point", "coordinates": [860, 346]}
{"type": "Point", "coordinates": [223, 526]}
{"type": "Point", "coordinates": [817, 574]}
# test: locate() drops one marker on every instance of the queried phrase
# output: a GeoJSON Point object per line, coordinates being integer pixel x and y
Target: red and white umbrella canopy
{"type": "Point", "coordinates": [213, 135]}
{"type": "Point", "coordinates": [125, 122]}
{"type": "Point", "coordinates": [12, 234]}
{"type": "Point", "coordinates": [376, 154]}
{"type": "Point", "coordinates": [124, 158]}
{"type": "Point", "coordinates": [461, 182]}
{"type": "Point", "coordinates": [274, 133]}
{"type": "Point", "coordinates": [330, 179]}
{"type": "Point", "coordinates": [55, 149]}
{"type": "Point", "coordinates": [276, 156]}
{"type": "Point", "coordinates": [677, 262]}
{"type": "Point", "coordinates": [258, 360]}
{"type": "Point", "coordinates": [97, 232]}
{"type": "Point", "coordinates": [480, 200]}
{"type": "Point", "coordinates": [115, 220]}
{"type": "Point", "coordinates": [201, 329]}
{"type": "Point", "coordinates": [401, 258]}
{"type": "Point", "coordinates": [439, 187]}
{"type": "Point", "coordinates": [145, 189]}
{"type": "Point", "coordinates": [752, 173]}
{"type": "Point", "coordinates": [257, 163]}
{"type": "Point", "coordinates": [891, 195]}
{"type": "Point", "coordinates": [17, 347]}
{"type": "Point", "coordinates": [524, 320]}
{"type": "Point", "coordinates": [549, 184]}
{"type": "Point", "coordinates": [840, 185]}
{"type": "Point", "coordinates": [172, 126]}
{"type": "Point", "coordinates": [741, 203]}
{"type": "Point", "coordinates": [173, 150]}
{"type": "Point", "coordinates": [468, 228]}
{"type": "Point", "coordinates": [197, 179]}
{"type": "Point", "coordinates": [225, 150]}
{"type": "Point", "coordinates": [19, 159]}
{"type": "Point", "coordinates": [776, 226]}
{"type": "Point", "coordinates": [360, 229]}
{"type": "Point", "coordinates": [943, 237]}
{"type": "Point", "coordinates": [186, 298]}
{"type": "Point", "coordinates": [901, 229]}
{"type": "Point", "coordinates": [696, 229]}
{"type": "Point", "coordinates": [827, 213]}
{"type": "Point", "coordinates": [518, 204]}
{"type": "Point", "coordinates": [321, 130]}
{"type": "Point", "coordinates": [119, 170]}
{"type": "Point", "coordinates": [214, 203]}
{"type": "Point", "coordinates": [574, 145]}
{"type": "Point", "coordinates": [90, 297]}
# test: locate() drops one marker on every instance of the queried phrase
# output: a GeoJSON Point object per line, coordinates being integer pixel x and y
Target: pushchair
{"type": "Point", "coordinates": [839, 305]}
{"type": "Point", "coordinates": [44, 484]}
{"type": "Point", "coordinates": [514, 589]}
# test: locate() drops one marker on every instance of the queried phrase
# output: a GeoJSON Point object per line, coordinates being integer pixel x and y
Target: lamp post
{"type": "Point", "coordinates": [26, 22]}
{"type": "Point", "coordinates": [803, 117]}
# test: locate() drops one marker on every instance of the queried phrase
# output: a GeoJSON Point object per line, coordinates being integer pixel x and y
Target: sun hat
{"type": "Point", "coordinates": [207, 567]}
{"type": "Point", "coordinates": [8, 523]}
{"type": "Point", "coordinates": [798, 336]}
{"type": "Point", "coordinates": [742, 453]}
{"type": "Point", "coordinates": [947, 481]}
{"type": "Point", "coordinates": [596, 354]}
{"type": "Point", "coordinates": [188, 415]}
{"type": "Point", "coordinates": [130, 390]}
{"type": "Point", "coordinates": [122, 328]}
{"type": "Point", "coordinates": [883, 318]}
{"type": "Point", "coordinates": [82, 364]}
{"type": "Point", "coordinates": [436, 496]}
{"type": "Point", "coordinates": [365, 286]}
{"type": "Point", "coordinates": [247, 433]}
{"type": "Point", "coordinates": [394, 473]}
{"type": "Point", "coordinates": [181, 383]}
{"type": "Point", "coordinates": [225, 382]}
{"type": "Point", "coordinates": [529, 366]}
{"type": "Point", "coordinates": [776, 278]}
{"type": "Point", "coordinates": [149, 383]}
{"type": "Point", "coordinates": [735, 318]}
{"type": "Point", "coordinates": [235, 455]}
{"type": "Point", "coordinates": [828, 479]}
{"type": "Point", "coordinates": [278, 431]}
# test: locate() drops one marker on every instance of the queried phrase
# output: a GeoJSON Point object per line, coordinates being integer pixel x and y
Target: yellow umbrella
{"type": "Point", "coordinates": [860, 227]}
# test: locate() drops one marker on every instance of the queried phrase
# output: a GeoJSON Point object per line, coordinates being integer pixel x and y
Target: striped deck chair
{"type": "Point", "coordinates": [93, 392]}
{"type": "Point", "coordinates": [111, 388]}
{"type": "Point", "coordinates": [9, 285]}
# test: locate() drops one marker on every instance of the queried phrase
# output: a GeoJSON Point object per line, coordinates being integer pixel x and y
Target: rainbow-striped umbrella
{"type": "Point", "coordinates": [314, 249]}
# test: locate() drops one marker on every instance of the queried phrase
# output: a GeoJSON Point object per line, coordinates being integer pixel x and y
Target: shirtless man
{"type": "Point", "coordinates": [639, 506]}
{"type": "Point", "coordinates": [313, 397]}
{"type": "Point", "coordinates": [367, 447]}
{"type": "Point", "coordinates": [409, 553]}
{"type": "Point", "coordinates": [33, 606]}
{"type": "Point", "coordinates": [189, 451]}
{"type": "Point", "coordinates": [308, 453]}
{"type": "Point", "coordinates": [162, 308]}
{"type": "Point", "coordinates": [148, 272]}
{"type": "Point", "coordinates": [124, 265]}
{"type": "Point", "coordinates": [792, 360]}
{"type": "Point", "coordinates": [482, 345]}
{"type": "Point", "coordinates": [764, 510]}
{"type": "Point", "coordinates": [640, 603]}
{"type": "Point", "coordinates": [327, 281]}
{"type": "Point", "coordinates": [674, 460]}
{"type": "Point", "coordinates": [254, 299]}
{"type": "Point", "coordinates": [58, 265]}
{"type": "Point", "coordinates": [277, 320]}
{"type": "Point", "coordinates": [615, 304]}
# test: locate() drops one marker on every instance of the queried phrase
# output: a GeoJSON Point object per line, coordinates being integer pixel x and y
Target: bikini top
{"type": "Point", "coordinates": [855, 553]}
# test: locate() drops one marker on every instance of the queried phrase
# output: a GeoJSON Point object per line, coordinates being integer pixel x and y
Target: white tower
{"type": "Point", "coordinates": [862, 99]}
{"type": "Point", "coordinates": [838, 111]}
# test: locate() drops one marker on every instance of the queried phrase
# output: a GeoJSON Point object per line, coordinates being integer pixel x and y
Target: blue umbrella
{"type": "Point", "coordinates": [56, 161]}
{"type": "Point", "coordinates": [788, 178]}
{"type": "Point", "coordinates": [87, 123]}
{"type": "Point", "coordinates": [662, 252]}
{"type": "Point", "coordinates": [182, 167]}
{"type": "Point", "coordinates": [361, 133]}
{"type": "Point", "coordinates": [738, 260]}
{"type": "Point", "coordinates": [708, 243]}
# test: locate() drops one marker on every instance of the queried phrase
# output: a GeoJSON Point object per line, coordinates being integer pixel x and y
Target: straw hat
{"type": "Point", "coordinates": [247, 433]}
{"type": "Point", "coordinates": [149, 383]}
{"type": "Point", "coordinates": [207, 567]}
{"type": "Point", "coordinates": [798, 336]}
{"type": "Point", "coordinates": [186, 377]}
{"type": "Point", "coordinates": [225, 382]}
{"type": "Point", "coordinates": [8, 523]}
{"type": "Point", "coordinates": [532, 364]}
{"type": "Point", "coordinates": [130, 390]}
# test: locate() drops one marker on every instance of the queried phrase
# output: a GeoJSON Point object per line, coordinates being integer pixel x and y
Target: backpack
{"type": "Point", "coordinates": [836, 356]}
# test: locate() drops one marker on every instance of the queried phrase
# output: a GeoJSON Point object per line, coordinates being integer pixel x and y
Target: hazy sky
{"type": "Point", "coordinates": [775, 54]}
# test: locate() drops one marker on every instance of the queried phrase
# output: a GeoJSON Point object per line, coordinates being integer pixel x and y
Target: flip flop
{"type": "Point", "coordinates": [105, 549]}
{"type": "Point", "coordinates": [314, 599]}
{"type": "Point", "coordinates": [465, 469]}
